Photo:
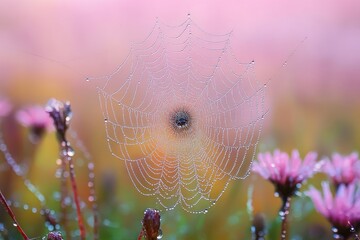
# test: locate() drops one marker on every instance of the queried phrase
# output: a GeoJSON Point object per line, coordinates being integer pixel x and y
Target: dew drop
{"type": "Point", "coordinates": [68, 118]}
{"type": "Point", "coordinates": [58, 162]}
{"type": "Point", "coordinates": [105, 120]}
{"type": "Point", "coordinates": [282, 213]}
{"type": "Point", "coordinates": [50, 228]}
{"type": "Point", "coordinates": [3, 147]}
{"type": "Point", "coordinates": [276, 194]}
{"type": "Point", "coordinates": [70, 152]}
{"type": "Point", "coordinates": [160, 234]}
{"type": "Point", "coordinates": [336, 236]}
{"type": "Point", "coordinates": [15, 225]}
{"type": "Point", "coordinates": [206, 211]}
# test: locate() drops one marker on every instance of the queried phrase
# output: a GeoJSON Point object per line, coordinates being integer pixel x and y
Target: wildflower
{"type": "Point", "coordinates": [5, 107]}
{"type": "Point", "coordinates": [151, 225]}
{"type": "Point", "coordinates": [342, 169]}
{"type": "Point", "coordinates": [61, 114]}
{"type": "Point", "coordinates": [286, 173]}
{"type": "Point", "coordinates": [341, 210]}
{"type": "Point", "coordinates": [54, 236]}
{"type": "Point", "coordinates": [37, 119]}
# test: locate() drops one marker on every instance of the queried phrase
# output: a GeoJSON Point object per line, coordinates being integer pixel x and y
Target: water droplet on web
{"type": "Point", "coordinates": [3, 147]}
{"type": "Point", "coordinates": [105, 120]}
{"type": "Point", "coordinates": [58, 162]}
{"type": "Point", "coordinates": [206, 211]}
{"type": "Point", "coordinates": [15, 225]}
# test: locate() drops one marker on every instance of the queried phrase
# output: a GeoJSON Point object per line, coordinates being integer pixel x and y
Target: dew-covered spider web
{"type": "Point", "coordinates": [184, 115]}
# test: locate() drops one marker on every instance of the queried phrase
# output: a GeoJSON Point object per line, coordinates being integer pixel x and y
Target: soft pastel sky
{"type": "Point", "coordinates": [75, 39]}
{"type": "Point", "coordinates": [92, 37]}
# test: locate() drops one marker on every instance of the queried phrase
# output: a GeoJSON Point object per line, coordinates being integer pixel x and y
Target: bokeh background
{"type": "Point", "coordinates": [48, 48]}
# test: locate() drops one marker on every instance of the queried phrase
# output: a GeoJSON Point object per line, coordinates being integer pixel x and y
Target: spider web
{"type": "Point", "coordinates": [176, 68]}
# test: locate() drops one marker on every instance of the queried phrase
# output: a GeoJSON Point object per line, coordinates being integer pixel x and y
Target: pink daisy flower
{"type": "Point", "coordinates": [5, 107]}
{"type": "Point", "coordinates": [341, 210]}
{"type": "Point", "coordinates": [287, 173]}
{"type": "Point", "coordinates": [342, 169]}
{"type": "Point", "coordinates": [37, 119]}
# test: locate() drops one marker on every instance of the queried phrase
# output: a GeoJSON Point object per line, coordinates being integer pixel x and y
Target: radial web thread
{"type": "Point", "coordinates": [183, 69]}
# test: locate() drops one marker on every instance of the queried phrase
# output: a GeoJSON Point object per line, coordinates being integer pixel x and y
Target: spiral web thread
{"type": "Point", "coordinates": [183, 68]}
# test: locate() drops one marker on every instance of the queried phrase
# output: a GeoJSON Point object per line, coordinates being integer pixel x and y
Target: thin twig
{"type": "Point", "coordinates": [63, 196]}
{"type": "Point", "coordinates": [67, 149]}
{"type": "Point", "coordinates": [12, 215]}
{"type": "Point", "coordinates": [91, 182]}
{"type": "Point", "coordinates": [61, 114]}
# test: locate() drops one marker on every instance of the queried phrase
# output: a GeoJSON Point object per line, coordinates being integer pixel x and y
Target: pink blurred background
{"type": "Point", "coordinates": [47, 48]}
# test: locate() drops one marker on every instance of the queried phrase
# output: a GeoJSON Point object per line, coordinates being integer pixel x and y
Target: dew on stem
{"type": "Point", "coordinates": [61, 114]}
{"type": "Point", "coordinates": [258, 228]}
